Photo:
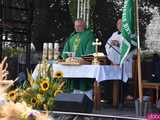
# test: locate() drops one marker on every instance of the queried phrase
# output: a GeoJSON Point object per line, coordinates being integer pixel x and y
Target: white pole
{"type": "Point", "coordinates": [78, 9]}
{"type": "Point", "coordinates": [88, 13]}
{"type": "Point", "coordinates": [81, 8]}
{"type": "Point", "coordinates": [84, 10]}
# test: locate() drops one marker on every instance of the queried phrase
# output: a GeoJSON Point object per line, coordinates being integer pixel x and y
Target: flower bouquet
{"type": "Point", "coordinates": [40, 93]}
{"type": "Point", "coordinates": [11, 109]}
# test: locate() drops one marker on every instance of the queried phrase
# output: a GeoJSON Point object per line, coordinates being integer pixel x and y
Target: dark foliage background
{"type": "Point", "coordinates": [52, 19]}
{"type": "Point", "coordinates": [52, 22]}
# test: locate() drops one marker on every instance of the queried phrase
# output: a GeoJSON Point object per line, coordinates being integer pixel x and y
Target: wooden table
{"type": "Point", "coordinates": [97, 94]}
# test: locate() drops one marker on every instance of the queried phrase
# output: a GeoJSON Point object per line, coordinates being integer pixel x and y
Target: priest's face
{"type": "Point", "coordinates": [79, 25]}
{"type": "Point", "coordinates": [119, 22]}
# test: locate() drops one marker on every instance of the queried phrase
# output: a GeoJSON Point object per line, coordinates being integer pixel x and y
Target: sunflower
{"type": "Point", "coordinates": [39, 96]}
{"type": "Point", "coordinates": [12, 95]}
{"type": "Point", "coordinates": [34, 101]}
{"type": "Point", "coordinates": [44, 85]}
{"type": "Point", "coordinates": [58, 74]}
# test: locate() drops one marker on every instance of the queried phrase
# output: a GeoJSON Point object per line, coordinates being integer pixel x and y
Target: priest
{"type": "Point", "coordinates": [80, 43]}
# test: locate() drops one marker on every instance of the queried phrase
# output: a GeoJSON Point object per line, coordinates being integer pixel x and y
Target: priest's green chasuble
{"type": "Point", "coordinates": [81, 44]}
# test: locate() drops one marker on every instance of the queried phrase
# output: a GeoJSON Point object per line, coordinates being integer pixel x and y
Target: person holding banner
{"type": "Point", "coordinates": [113, 53]}
{"type": "Point", "coordinates": [113, 45]}
{"type": "Point", "coordinates": [113, 50]}
{"type": "Point", "coordinates": [80, 43]}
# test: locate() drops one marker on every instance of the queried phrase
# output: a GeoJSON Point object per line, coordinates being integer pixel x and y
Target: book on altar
{"type": "Point", "coordinates": [102, 58]}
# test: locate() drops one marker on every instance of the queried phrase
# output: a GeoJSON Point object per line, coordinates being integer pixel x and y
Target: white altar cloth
{"type": "Point", "coordinates": [99, 72]}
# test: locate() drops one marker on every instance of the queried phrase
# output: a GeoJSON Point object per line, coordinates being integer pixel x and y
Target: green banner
{"type": "Point", "coordinates": [128, 29]}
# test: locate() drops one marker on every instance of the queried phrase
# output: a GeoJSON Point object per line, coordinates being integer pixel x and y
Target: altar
{"type": "Point", "coordinates": [99, 72]}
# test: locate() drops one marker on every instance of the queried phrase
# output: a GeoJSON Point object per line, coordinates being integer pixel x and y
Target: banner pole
{"type": "Point", "coordinates": [138, 54]}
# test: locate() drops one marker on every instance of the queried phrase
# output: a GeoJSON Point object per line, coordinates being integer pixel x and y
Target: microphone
{"type": "Point", "coordinates": [99, 34]}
